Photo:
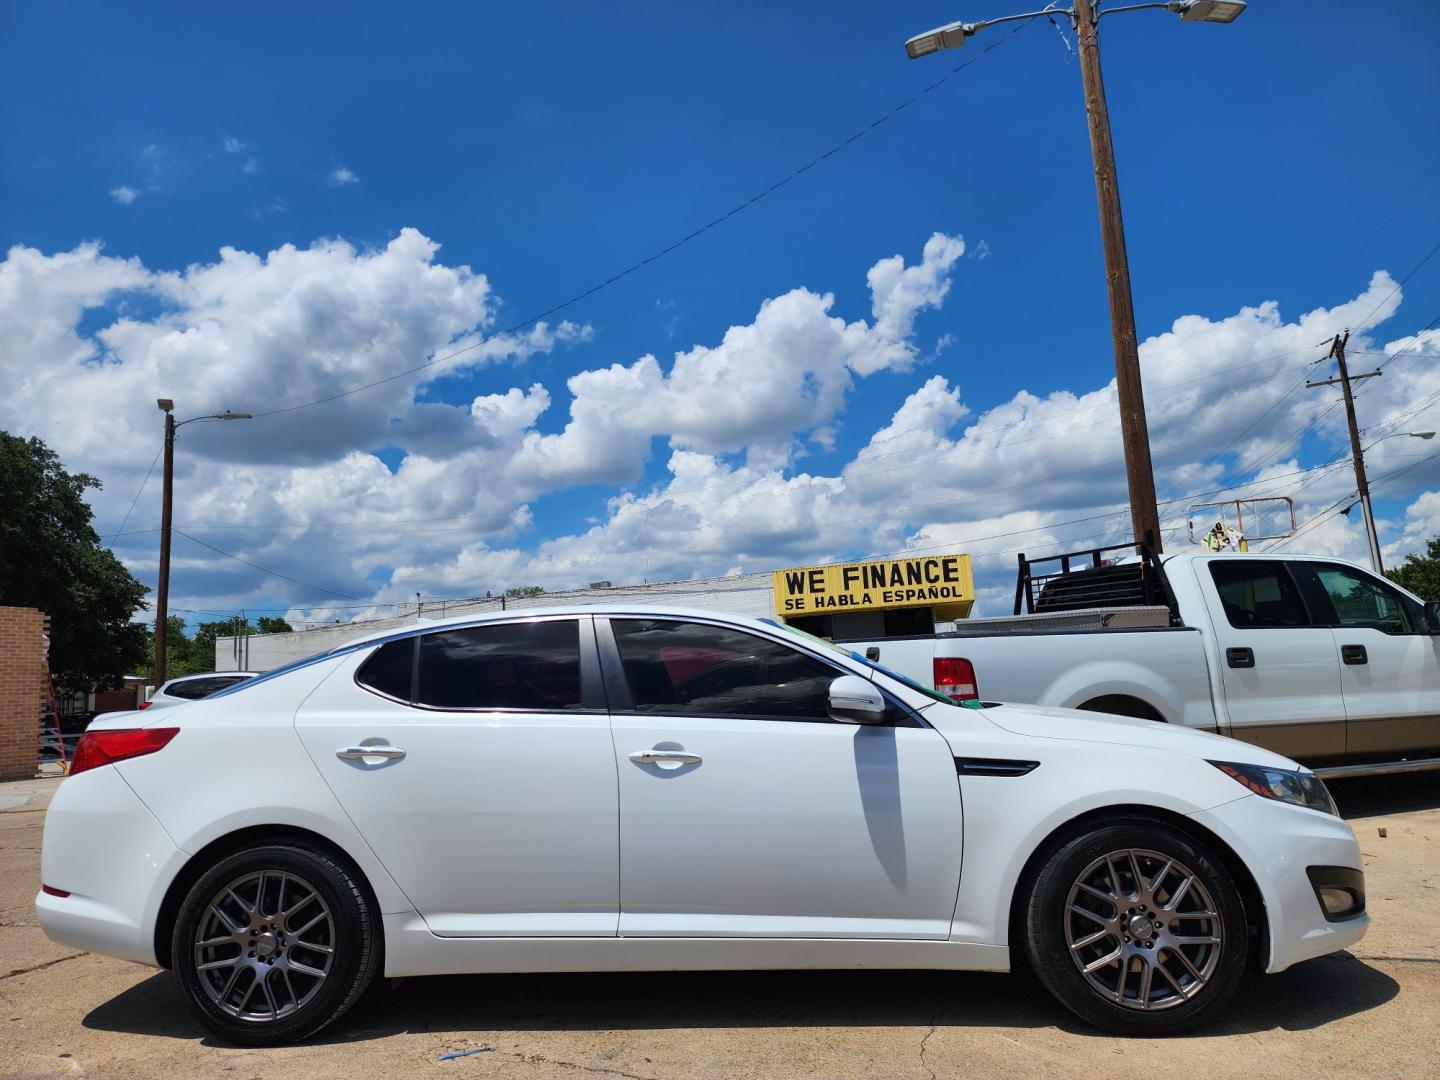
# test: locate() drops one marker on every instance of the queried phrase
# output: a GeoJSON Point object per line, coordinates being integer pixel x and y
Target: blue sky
{"type": "Point", "coordinates": [1284, 158]}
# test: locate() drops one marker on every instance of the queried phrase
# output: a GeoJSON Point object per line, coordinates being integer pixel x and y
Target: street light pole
{"type": "Point", "coordinates": [162, 584]}
{"type": "Point", "coordinates": [1134, 431]}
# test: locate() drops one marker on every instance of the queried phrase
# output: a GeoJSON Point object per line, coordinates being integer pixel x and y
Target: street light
{"type": "Point", "coordinates": [162, 586]}
{"type": "Point", "coordinates": [1140, 475]}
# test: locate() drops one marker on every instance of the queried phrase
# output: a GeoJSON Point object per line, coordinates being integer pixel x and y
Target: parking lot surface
{"type": "Point", "coordinates": [1373, 1011]}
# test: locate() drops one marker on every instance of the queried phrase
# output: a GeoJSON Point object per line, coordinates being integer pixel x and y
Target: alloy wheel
{"type": "Point", "coordinates": [264, 946]}
{"type": "Point", "coordinates": [1143, 929]}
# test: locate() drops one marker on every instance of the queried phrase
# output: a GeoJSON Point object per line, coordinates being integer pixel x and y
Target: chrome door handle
{"type": "Point", "coordinates": [651, 757]}
{"type": "Point", "coordinates": [360, 753]}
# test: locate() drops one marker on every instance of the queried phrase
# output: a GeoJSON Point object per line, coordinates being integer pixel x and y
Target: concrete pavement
{"type": "Point", "coordinates": [1374, 1011]}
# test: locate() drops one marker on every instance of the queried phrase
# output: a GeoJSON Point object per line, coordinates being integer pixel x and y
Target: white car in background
{"type": "Point", "coordinates": [646, 789]}
{"type": "Point", "coordinates": [194, 687]}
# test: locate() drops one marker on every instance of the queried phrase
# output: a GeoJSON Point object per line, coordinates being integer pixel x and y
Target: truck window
{"type": "Point", "coordinates": [1258, 595]}
{"type": "Point", "coordinates": [1362, 601]}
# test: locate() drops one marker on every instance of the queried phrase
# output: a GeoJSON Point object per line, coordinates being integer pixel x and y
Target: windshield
{"type": "Point", "coordinates": [905, 679]}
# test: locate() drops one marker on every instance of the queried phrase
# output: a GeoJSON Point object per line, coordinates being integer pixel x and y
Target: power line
{"type": "Point", "coordinates": [555, 309]}
{"type": "Point", "coordinates": [121, 530]}
{"type": "Point", "coordinates": [266, 569]}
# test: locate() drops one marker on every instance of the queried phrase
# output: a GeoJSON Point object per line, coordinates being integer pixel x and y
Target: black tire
{"type": "Point", "coordinates": [269, 879]}
{"type": "Point", "coordinates": [1139, 937]}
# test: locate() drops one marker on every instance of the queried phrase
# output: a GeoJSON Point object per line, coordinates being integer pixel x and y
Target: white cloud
{"type": "Point", "coordinates": [341, 176]}
{"type": "Point", "coordinates": [236, 148]}
{"type": "Point", "coordinates": [452, 511]}
{"type": "Point", "coordinates": [124, 195]}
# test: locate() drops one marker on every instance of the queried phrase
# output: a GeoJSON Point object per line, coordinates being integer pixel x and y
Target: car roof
{"type": "Point", "coordinates": [516, 614]}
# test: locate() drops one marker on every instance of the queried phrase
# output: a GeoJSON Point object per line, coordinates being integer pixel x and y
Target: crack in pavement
{"type": "Point", "coordinates": [41, 967]}
{"type": "Point", "coordinates": [1402, 959]}
{"type": "Point", "coordinates": [934, 1020]}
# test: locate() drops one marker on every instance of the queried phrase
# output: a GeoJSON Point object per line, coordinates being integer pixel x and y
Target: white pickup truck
{"type": "Point", "coordinates": [1313, 657]}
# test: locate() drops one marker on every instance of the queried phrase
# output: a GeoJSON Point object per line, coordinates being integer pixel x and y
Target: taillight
{"type": "Point", "coordinates": [955, 678]}
{"type": "Point", "coordinates": [146, 704]}
{"type": "Point", "coordinates": [97, 748]}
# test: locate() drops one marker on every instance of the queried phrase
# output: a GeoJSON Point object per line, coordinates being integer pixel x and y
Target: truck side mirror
{"type": "Point", "coordinates": [853, 700]}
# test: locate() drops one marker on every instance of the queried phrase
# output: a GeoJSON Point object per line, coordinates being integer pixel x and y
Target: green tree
{"type": "Point", "coordinates": [525, 590]}
{"type": "Point", "coordinates": [1420, 573]}
{"type": "Point", "coordinates": [51, 558]}
{"type": "Point", "coordinates": [179, 649]}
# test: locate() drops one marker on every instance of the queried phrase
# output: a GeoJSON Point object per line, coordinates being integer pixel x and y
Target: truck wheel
{"type": "Point", "coordinates": [1122, 705]}
{"type": "Point", "coordinates": [1137, 928]}
{"type": "Point", "coordinates": [275, 942]}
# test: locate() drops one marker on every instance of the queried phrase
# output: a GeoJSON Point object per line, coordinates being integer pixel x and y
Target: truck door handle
{"type": "Point", "coordinates": [1242, 657]}
{"type": "Point", "coordinates": [1354, 654]}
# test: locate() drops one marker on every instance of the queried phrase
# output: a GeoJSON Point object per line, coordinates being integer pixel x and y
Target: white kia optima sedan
{"type": "Point", "coordinates": [644, 789]}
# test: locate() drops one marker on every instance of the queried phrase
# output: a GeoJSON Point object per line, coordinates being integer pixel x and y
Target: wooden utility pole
{"type": "Point", "coordinates": [1337, 353]}
{"type": "Point", "coordinates": [162, 586]}
{"type": "Point", "coordinates": [1134, 432]}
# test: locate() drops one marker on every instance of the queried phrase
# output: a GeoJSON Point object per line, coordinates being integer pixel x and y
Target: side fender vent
{"type": "Point", "coordinates": [981, 766]}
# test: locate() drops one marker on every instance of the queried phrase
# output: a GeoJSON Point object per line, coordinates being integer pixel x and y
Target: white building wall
{"type": "Point", "coordinates": [748, 595]}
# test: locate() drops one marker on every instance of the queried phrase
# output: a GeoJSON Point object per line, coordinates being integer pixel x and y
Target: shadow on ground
{"type": "Point", "coordinates": [1307, 996]}
{"type": "Point", "coordinates": [1376, 796]}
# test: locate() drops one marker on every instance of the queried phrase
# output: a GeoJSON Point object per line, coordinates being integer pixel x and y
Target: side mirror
{"type": "Point", "coordinates": [853, 700]}
{"type": "Point", "coordinates": [1432, 616]}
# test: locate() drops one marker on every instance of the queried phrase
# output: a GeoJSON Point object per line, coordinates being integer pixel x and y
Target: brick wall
{"type": "Point", "coordinates": [22, 691]}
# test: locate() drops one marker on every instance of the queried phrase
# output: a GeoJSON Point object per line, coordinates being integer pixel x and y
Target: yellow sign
{"type": "Point", "coordinates": [938, 581]}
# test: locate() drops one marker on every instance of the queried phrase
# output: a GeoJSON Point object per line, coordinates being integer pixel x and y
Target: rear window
{"type": "Point", "coordinates": [390, 670]}
{"type": "Point", "coordinates": [1258, 595]}
{"type": "Point", "coordinates": [530, 666]}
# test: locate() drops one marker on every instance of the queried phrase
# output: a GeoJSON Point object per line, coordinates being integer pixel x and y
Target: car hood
{"type": "Point", "coordinates": [1039, 722]}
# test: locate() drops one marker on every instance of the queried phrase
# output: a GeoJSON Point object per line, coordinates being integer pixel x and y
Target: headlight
{"type": "Point", "coordinates": [1282, 785]}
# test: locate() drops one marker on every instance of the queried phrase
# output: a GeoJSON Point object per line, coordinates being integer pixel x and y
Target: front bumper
{"type": "Point", "coordinates": [104, 847]}
{"type": "Point", "coordinates": [1282, 844]}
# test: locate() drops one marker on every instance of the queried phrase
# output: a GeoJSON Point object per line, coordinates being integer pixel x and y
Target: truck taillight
{"type": "Point", "coordinates": [106, 747]}
{"type": "Point", "coordinates": [955, 678]}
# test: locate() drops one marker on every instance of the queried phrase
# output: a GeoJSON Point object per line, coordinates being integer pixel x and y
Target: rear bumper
{"type": "Point", "coordinates": [104, 847]}
{"type": "Point", "coordinates": [1283, 845]}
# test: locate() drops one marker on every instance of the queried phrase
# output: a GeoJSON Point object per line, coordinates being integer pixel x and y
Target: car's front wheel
{"type": "Point", "coordinates": [1137, 927]}
{"type": "Point", "coordinates": [274, 942]}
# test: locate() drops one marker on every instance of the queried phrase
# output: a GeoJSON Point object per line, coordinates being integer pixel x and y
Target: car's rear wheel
{"type": "Point", "coordinates": [1138, 928]}
{"type": "Point", "coordinates": [274, 942]}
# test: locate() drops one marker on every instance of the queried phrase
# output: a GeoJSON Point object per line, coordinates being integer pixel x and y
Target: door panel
{"type": "Point", "coordinates": [1281, 673]}
{"type": "Point", "coordinates": [746, 812]}
{"type": "Point", "coordinates": [494, 822]}
{"type": "Point", "coordinates": [1389, 671]}
{"type": "Point", "coordinates": [787, 829]}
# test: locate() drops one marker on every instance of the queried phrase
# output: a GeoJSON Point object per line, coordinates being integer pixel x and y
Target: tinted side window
{"type": "Point", "coordinates": [532, 666]}
{"type": "Point", "coordinates": [1258, 595]}
{"type": "Point", "coordinates": [700, 670]}
{"type": "Point", "coordinates": [389, 669]}
{"type": "Point", "coordinates": [1362, 601]}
